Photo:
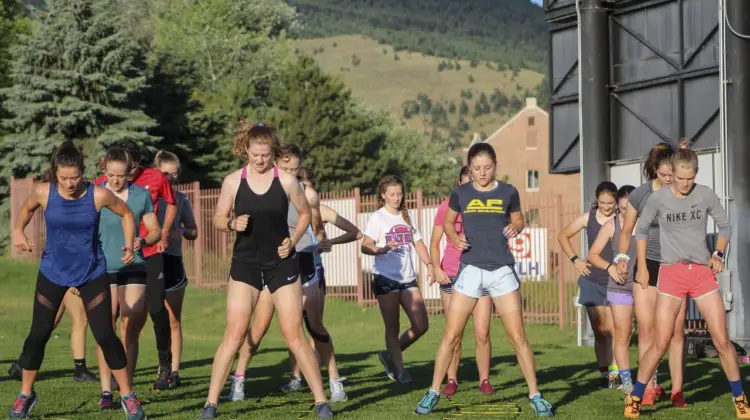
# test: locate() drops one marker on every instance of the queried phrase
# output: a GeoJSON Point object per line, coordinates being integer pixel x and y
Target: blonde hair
{"type": "Point", "coordinates": [163, 156]}
{"type": "Point", "coordinates": [686, 158]}
{"type": "Point", "coordinates": [388, 181]}
{"type": "Point", "coordinates": [248, 133]}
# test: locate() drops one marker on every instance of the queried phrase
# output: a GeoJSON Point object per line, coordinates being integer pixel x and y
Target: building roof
{"type": "Point", "coordinates": [531, 104]}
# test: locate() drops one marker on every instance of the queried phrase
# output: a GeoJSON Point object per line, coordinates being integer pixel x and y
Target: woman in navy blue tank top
{"type": "Point", "coordinates": [264, 256]}
{"type": "Point", "coordinates": [72, 257]}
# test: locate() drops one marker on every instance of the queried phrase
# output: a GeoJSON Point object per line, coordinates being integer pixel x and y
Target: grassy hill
{"type": "Point", "coordinates": [384, 78]}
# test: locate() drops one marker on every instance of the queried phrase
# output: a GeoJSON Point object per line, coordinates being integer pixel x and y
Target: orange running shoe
{"type": "Point", "coordinates": [678, 400]}
{"type": "Point", "coordinates": [742, 407]}
{"type": "Point", "coordinates": [632, 407]}
{"type": "Point", "coordinates": [649, 398]}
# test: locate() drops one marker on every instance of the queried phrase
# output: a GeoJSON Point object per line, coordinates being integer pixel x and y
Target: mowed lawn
{"type": "Point", "coordinates": [568, 374]}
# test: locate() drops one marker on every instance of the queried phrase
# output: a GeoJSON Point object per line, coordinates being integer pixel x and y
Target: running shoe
{"type": "Point", "coordinates": [450, 388]}
{"type": "Point", "coordinates": [678, 400]}
{"type": "Point", "coordinates": [485, 388]}
{"type": "Point", "coordinates": [85, 375]}
{"type": "Point", "coordinates": [174, 380]}
{"type": "Point", "coordinates": [210, 411]}
{"type": "Point", "coordinates": [649, 398]}
{"type": "Point", "coordinates": [385, 360]}
{"type": "Point", "coordinates": [404, 377]}
{"type": "Point", "coordinates": [614, 381]}
{"type": "Point", "coordinates": [162, 378]}
{"type": "Point", "coordinates": [237, 389]}
{"type": "Point", "coordinates": [632, 407]}
{"type": "Point", "coordinates": [294, 384]}
{"type": "Point", "coordinates": [324, 411]}
{"type": "Point", "coordinates": [427, 403]}
{"type": "Point", "coordinates": [106, 401]}
{"type": "Point", "coordinates": [15, 371]}
{"type": "Point", "coordinates": [541, 407]}
{"type": "Point", "coordinates": [21, 409]}
{"type": "Point", "coordinates": [659, 391]}
{"type": "Point", "coordinates": [337, 390]}
{"type": "Point", "coordinates": [742, 407]}
{"type": "Point", "coordinates": [132, 407]}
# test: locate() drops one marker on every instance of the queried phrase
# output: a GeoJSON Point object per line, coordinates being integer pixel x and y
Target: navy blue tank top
{"type": "Point", "coordinates": [267, 227]}
{"type": "Point", "coordinates": [593, 227]}
{"type": "Point", "coordinates": [72, 253]}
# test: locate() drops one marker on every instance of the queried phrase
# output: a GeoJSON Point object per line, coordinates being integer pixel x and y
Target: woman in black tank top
{"type": "Point", "coordinates": [264, 256]}
{"type": "Point", "coordinates": [593, 281]}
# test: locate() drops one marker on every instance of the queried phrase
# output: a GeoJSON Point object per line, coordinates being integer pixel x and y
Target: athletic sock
{"type": "Point", "coordinates": [639, 389]}
{"type": "Point", "coordinates": [80, 365]}
{"type": "Point", "coordinates": [613, 369]}
{"type": "Point", "coordinates": [627, 380]}
{"type": "Point", "coordinates": [736, 388]}
{"type": "Point", "coordinates": [603, 371]}
{"type": "Point", "coordinates": [656, 374]}
{"type": "Point", "coordinates": [532, 396]}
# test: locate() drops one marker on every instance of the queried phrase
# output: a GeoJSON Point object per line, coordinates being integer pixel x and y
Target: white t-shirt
{"type": "Point", "coordinates": [397, 264]}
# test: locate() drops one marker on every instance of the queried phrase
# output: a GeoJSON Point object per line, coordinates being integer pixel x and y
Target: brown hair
{"type": "Point", "coordinates": [685, 157]}
{"type": "Point", "coordinates": [306, 174]}
{"type": "Point", "coordinates": [658, 155]}
{"type": "Point", "coordinates": [465, 171]}
{"type": "Point", "coordinates": [287, 151]}
{"type": "Point", "coordinates": [120, 155]}
{"type": "Point", "coordinates": [163, 156]}
{"type": "Point", "coordinates": [66, 155]}
{"type": "Point", "coordinates": [386, 182]}
{"type": "Point", "coordinates": [248, 133]}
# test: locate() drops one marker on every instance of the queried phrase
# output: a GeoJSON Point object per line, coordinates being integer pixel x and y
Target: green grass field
{"type": "Point", "coordinates": [567, 373]}
{"type": "Point", "coordinates": [381, 81]}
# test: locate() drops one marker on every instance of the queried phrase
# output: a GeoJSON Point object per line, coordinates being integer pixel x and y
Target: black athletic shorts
{"type": "Point", "coordinates": [174, 273]}
{"type": "Point", "coordinates": [275, 278]}
{"type": "Point", "coordinates": [127, 278]}
{"type": "Point", "coordinates": [306, 266]}
{"type": "Point", "coordinates": [653, 271]}
{"type": "Point", "coordinates": [383, 285]}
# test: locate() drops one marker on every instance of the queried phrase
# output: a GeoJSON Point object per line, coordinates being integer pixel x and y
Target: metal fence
{"type": "Point", "coordinates": [549, 282]}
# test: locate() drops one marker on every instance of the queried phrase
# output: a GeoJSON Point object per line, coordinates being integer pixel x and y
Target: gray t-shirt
{"type": "Point", "coordinates": [683, 223]}
{"type": "Point", "coordinates": [614, 286]}
{"type": "Point", "coordinates": [305, 243]}
{"type": "Point", "coordinates": [184, 217]}
{"type": "Point", "coordinates": [485, 214]}
{"type": "Point", "coordinates": [638, 199]}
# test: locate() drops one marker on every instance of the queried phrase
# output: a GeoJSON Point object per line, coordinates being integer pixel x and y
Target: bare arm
{"type": "Point", "coordinates": [437, 236]}
{"type": "Point", "coordinates": [517, 221]}
{"type": "Point", "coordinates": [313, 198]}
{"type": "Point", "coordinates": [154, 230]}
{"type": "Point", "coordinates": [449, 226]}
{"type": "Point", "coordinates": [226, 201]}
{"type": "Point", "coordinates": [422, 252]}
{"type": "Point", "coordinates": [628, 224]}
{"type": "Point", "coordinates": [569, 231]}
{"type": "Point", "coordinates": [299, 201]}
{"type": "Point", "coordinates": [604, 236]}
{"type": "Point", "coordinates": [105, 198]}
{"type": "Point", "coordinates": [352, 233]}
{"type": "Point", "coordinates": [33, 202]}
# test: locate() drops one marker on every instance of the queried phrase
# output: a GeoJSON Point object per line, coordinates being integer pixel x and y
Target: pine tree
{"type": "Point", "coordinates": [77, 77]}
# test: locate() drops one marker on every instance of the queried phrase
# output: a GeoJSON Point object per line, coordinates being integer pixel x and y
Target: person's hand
{"type": "Point", "coordinates": [163, 243]}
{"type": "Point", "coordinates": [22, 242]}
{"type": "Point", "coordinates": [583, 267]}
{"type": "Point", "coordinates": [324, 245]}
{"type": "Point", "coordinates": [622, 268]}
{"type": "Point", "coordinates": [716, 264]}
{"type": "Point", "coordinates": [642, 277]}
{"type": "Point", "coordinates": [612, 270]}
{"type": "Point", "coordinates": [389, 246]}
{"type": "Point", "coordinates": [286, 247]}
{"type": "Point", "coordinates": [510, 232]}
{"type": "Point", "coordinates": [240, 223]}
{"type": "Point", "coordinates": [137, 244]}
{"type": "Point", "coordinates": [127, 255]}
{"type": "Point", "coordinates": [462, 243]}
{"type": "Point", "coordinates": [440, 277]}
{"type": "Point", "coordinates": [75, 291]}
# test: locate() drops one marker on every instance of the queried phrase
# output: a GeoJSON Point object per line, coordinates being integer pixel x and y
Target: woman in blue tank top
{"type": "Point", "coordinates": [72, 257]}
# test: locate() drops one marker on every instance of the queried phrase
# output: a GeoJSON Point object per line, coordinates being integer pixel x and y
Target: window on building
{"type": "Point", "coordinates": [532, 218]}
{"type": "Point", "coordinates": [532, 180]}
{"type": "Point", "coordinates": [531, 139]}
{"type": "Point", "coordinates": [531, 121]}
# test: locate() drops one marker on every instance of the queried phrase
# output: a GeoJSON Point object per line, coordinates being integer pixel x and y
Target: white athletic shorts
{"type": "Point", "coordinates": [473, 280]}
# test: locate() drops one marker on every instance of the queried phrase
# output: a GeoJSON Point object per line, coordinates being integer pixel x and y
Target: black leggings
{"type": "Point", "coordinates": [155, 295]}
{"type": "Point", "coordinates": [98, 303]}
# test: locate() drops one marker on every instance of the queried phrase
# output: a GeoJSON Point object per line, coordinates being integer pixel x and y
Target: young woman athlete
{"type": "Point", "coordinates": [159, 187]}
{"type": "Point", "coordinates": [312, 302]}
{"type": "Point", "coordinates": [72, 257]}
{"type": "Point", "coordinates": [491, 213]}
{"type": "Point", "coordinates": [264, 256]}
{"type": "Point", "coordinates": [688, 268]}
{"type": "Point", "coordinates": [127, 281]}
{"type": "Point", "coordinates": [444, 272]}
{"type": "Point", "coordinates": [392, 238]}
{"type": "Point", "coordinates": [619, 292]}
{"type": "Point", "coordinates": [175, 279]}
{"type": "Point", "coordinates": [658, 170]}
{"type": "Point", "coordinates": [593, 281]}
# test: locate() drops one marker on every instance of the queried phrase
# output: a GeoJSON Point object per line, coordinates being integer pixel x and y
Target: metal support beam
{"type": "Point", "coordinates": [594, 73]}
{"type": "Point", "coordinates": [737, 28]}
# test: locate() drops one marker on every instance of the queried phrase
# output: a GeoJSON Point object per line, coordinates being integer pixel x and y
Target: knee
{"type": "Point", "coordinates": [517, 339]}
{"type": "Point", "coordinates": [234, 338]}
{"type": "Point", "coordinates": [175, 324]}
{"type": "Point", "coordinates": [722, 344]}
{"type": "Point", "coordinates": [452, 339]}
{"type": "Point", "coordinates": [482, 337]}
{"type": "Point", "coordinates": [678, 339]}
{"type": "Point", "coordinates": [661, 344]}
{"type": "Point", "coordinates": [420, 328]}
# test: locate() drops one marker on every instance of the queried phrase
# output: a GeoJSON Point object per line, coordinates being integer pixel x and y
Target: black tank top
{"type": "Point", "coordinates": [267, 227]}
{"type": "Point", "coordinates": [593, 227]}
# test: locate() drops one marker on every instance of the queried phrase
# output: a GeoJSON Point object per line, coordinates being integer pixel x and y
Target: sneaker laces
{"type": "Point", "coordinates": [741, 404]}
{"type": "Point", "coordinates": [133, 405]}
{"type": "Point", "coordinates": [427, 400]}
{"type": "Point", "coordinates": [540, 405]}
{"type": "Point", "coordinates": [19, 405]}
{"type": "Point", "coordinates": [336, 386]}
{"type": "Point", "coordinates": [238, 383]}
{"type": "Point", "coordinates": [635, 405]}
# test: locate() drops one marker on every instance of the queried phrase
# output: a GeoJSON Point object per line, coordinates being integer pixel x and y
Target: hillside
{"type": "Point", "coordinates": [384, 78]}
{"type": "Point", "coordinates": [511, 32]}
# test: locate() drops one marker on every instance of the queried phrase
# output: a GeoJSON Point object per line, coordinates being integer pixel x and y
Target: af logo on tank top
{"type": "Point", "coordinates": [492, 205]}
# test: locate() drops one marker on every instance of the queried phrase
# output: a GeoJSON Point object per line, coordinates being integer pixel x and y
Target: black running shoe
{"type": "Point", "coordinates": [106, 401]}
{"type": "Point", "coordinates": [162, 378]}
{"type": "Point", "coordinates": [85, 375]}
{"type": "Point", "coordinates": [174, 380]}
{"type": "Point", "coordinates": [324, 411]}
{"type": "Point", "coordinates": [15, 371]}
{"type": "Point", "coordinates": [210, 411]}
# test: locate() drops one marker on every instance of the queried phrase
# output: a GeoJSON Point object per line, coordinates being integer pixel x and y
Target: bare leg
{"type": "Point", "coordinates": [482, 317]}
{"type": "Point", "coordinates": [262, 316]}
{"type": "Point", "coordinates": [390, 311]}
{"type": "Point", "coordinates": [456, 359]}
{"type": "Point", "coordinates": [645, 308]}
{"type": "Point", "coordinates": [459, 311]}
{"type": "Point", "coordinates": [174, 300]}
{"type": "Point", "coordinates": [510, 310]}
{"type": "Point", "coordinates": [677, 350]}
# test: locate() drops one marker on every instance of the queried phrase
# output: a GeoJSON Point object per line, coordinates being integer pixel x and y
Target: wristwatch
{"type": "Point", "coordinates": [719, 253]}
{"type": "Point", "coordinates": [574, 258]}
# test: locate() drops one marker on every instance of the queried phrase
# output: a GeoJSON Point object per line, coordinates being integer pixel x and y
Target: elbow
{"type": "Point", "coordinates": [359, 235]}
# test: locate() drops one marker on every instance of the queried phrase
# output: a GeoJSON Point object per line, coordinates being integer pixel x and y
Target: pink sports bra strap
{"type": "Point", "coordinates": [244, 172]}
{"type": "Point", "coordinates": [275, 171]}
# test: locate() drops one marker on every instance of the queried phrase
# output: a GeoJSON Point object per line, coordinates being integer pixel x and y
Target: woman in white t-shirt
{"type": "Point", "coordinates": [392, 238]}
